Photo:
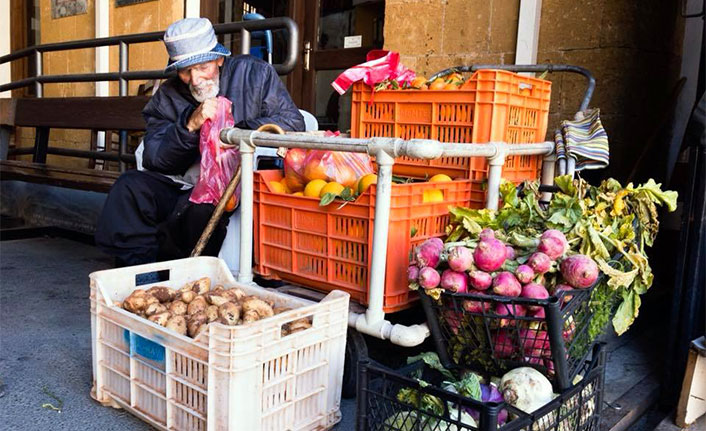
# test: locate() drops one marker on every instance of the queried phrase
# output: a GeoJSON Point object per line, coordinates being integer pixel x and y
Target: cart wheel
{"type": "Point", "coordinates": [355, 349]}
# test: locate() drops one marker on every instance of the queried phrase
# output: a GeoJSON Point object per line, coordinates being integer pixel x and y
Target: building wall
{"type": "Point", "coordinates": [631, 47]}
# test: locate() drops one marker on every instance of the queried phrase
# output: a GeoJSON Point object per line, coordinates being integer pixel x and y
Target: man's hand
{"type": "Point", "coordinates": [203, 112]}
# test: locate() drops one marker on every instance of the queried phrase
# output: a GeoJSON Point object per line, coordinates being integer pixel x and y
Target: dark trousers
{"type": "Point", "coordinates": [148, 218]}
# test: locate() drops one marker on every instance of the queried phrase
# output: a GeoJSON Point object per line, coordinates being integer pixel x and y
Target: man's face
{"type": "Point", "coordinates": [202, 79]}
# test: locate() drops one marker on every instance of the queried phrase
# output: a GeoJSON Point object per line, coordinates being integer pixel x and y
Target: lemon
{"type": "Point", "coordinates": [440, 178]}
{"type": "Point", "coordinates": [433, 195]}
{"type": "Point", "coordinates": [365, 181]}
{"type": "Point", "coordinates": [297, 194]}
{"type": "Point", "coordinates": [277, 187]}
{"type": "Point", "coordinates": [313, 188]}
{"type": "Point", "coordinates": [332, 187]}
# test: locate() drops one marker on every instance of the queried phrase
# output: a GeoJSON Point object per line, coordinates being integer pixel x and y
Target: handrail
{"type": "Point", "coordinates": [124, 41]}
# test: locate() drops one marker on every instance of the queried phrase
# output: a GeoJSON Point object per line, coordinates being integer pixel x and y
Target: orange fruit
{"type": "Point", "coordinates": [365, 181]}
{"type": "Point", "coordinates": [277, 187]}
{"type": "Point", "coordinates": [451, 86]}
{"type": "Point", "coordinates": [230, 205]}
{"type": "Point", "coordinates": [313, 188]}
{"type": "Point", "coordinates": [418, 82]}
{"type": "Point", "coordinates": [346, 176]}
{"type": "Point", "coordinates": [433, 195]}
{"type": "Point", "coordinates": [297, 194]}
{"type": "Point", "coordinates": [294, 182]}
{"type": "Point", "coordinates": [283, 181]}
{"type": "Point", "coordinates": [332, 187]}
{"type": "Point", "coordinates": [315, 170]}
{"type": "Point", "coordinates": [438, 84]}
{"type": "Point", "coordinates": [440, 178]}
{"type": "Point", "coordinates": [454, 77]}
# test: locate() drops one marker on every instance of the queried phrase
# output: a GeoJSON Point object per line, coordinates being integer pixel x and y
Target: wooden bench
{"type": "Point", "coordinates": [83, 113]}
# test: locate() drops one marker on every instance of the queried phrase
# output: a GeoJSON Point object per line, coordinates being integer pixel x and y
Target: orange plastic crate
{"type": "Point", "coordinates": [328, 248]}
{"type": "Point", "coordinates": [499, 106]}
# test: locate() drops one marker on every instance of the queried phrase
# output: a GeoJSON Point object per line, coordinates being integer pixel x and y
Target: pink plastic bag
{"type": "Point", "coordinates": [217, 164]}
{"type": "Point", "coordinates": [381, 65]}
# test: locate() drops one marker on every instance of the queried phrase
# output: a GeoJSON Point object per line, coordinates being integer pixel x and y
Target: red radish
{"type": "Point", "coordinates": [533, 340]}
{"type": "Point", "coordinates": [553, 243]}
{"type": "Point", "coordinates": [412, 273]}
{"type": "Point", "coordinates": [489, 255]}
{"type": "Point", "coordinates": [502, 344]}
{"type": "Point", "coordinates": [480, 280]}
{"type": "Point", "coordinates": [563, 292]}
{"type": "Point", "coordinates": [534, 291]}
{"type": "Point", "coordinates": [428, 253]}
{"type": "Point", "coordinates": [454, 281]}
{"type": "Point", "coordinates": [539, 262]}
{"type": "Point", "coordinates": [486, 233]}
{"type": "Point", "coordinates": [512, 310]}
{"type": "Point", "coordinates": [506, 284]}
{"type": "Point", "coordinates": [509, 253]}
{"type": "Point", "coordinates": [476, 306]}
{"type": "Point", "coordinates": [429, 278]}
{"type": "Point", "coordinates": [460, 258]}
{"type": "Point", "coordinates": [524, 273]}
{"type": "Point", "coordinates": [579, 270]}
{"type": "Point", "coordinates": [437, 242]}
{"type": "Point", "coordinates": [540, 314]}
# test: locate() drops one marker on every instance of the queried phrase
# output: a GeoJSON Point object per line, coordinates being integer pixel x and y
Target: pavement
{"type": "Point", "coordinates": [45, 340]}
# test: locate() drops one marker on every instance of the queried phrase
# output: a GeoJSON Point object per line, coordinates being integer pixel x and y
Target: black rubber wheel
{"type": "Point", "coordinates": [355, 349]}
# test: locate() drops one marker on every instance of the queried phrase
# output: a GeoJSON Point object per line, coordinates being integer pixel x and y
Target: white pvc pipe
{"type": "Point", "coordinates": [495, 170]}
{"type": "Point", "coordinates": [548, 164]}
{"type": "Point", "coordinates": [570, 166]}
{"type": "Point", "coordinates": [247, 152]}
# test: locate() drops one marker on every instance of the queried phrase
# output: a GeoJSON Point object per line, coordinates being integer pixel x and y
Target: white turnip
{"type": "Point", "coordinates": [579, 271]}
{"type": "Point", "coordinates": [539, 262]}
{"type": "Point", "coordinates": [460, 258]}
{"type": "Point", "coordinates": [524, 273]}
{"type": "Point", "coordinates": [454, 281]}
{"type": "Point", "coordinates": [480, 280]}
{"type": "Point", "coordinates": [506, 284]}
{"type": "Point", "coordinates": [526, 388]}
{"type": "Point", "coordinates": [489, 255]}
{"type": "Point", "coordinates": [429, 278]}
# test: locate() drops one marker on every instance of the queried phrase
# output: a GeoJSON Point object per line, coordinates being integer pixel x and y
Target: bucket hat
{"type": "Point", "coordinates": [191, 41]}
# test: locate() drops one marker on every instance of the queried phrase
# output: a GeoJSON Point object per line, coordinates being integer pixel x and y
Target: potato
{"type": "Point", "coordinates": [198, 305]}
{"type": "Point", "coordinates": [218, 288]}
{"type": "Point", "coordinates": [178, 308]}
{"type": "Point", "coordinates": [212, 313]}
{"type": "Point", "coordinates": [256, 309]}
{"type": "Point", "coordinates": [177, 324]}
{"type": "Point", "coordinates": [229, 313]}
{"type": "Point", "coordinates": [162, 293]}
{"type": "Point", "coordinates": [298, 325]}
{"type": "Point", "coordinates": [195, 323]}
{"type": "Point", "coordinates": [149, 299]}
{"type": "Point", "coordinates": [215, 299]}
{"type": "Point", "coordinates": [160, 318]}
{"type": "Point", "coordinates": [155, 309]}
{"type": "Point", "coordinates": [187, 296]}
{"type": "Point", "coordinates": [233, 295]}
{"type": "Point", "coordinates": [278, 310]}
{"type": "Point", "coordinates": [200, 317]}
{"type": "Point", "coordinates": [136, 302]}
{"type": "Point", "coordinates": [200, 329]}
{"type": "Point", "coordinates": [201, 286]}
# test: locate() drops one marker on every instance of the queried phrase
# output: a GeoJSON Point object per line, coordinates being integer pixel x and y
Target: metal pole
{"type": "Point", "coordinates": [244, 42]}
{"type": "Point", "coordinates": [247, 154]}
{"type": "Point", "coordinates": [122, 68]}
{"type": "Point", "coordinates": [38, 86]}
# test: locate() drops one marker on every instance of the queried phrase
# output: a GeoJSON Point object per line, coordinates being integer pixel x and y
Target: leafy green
{"type": "Point", "coordinates": [433, 361]}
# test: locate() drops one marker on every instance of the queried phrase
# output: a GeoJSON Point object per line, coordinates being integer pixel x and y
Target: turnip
{"type": "Point", "coordinates": [429, 278]}
{"type": "Point", "coordinates": [412, 273]}
{"type": "Point", "coordinates": [512, 310]}
{"type": "Point", "coordinates": [553, 243]}
{"type": "Point", "coordinates": [428, 253]}
{"type": "Point", "coordinates": [476, 306]}
{"type": "Point", "coordinates": [486, 233]}
{"type": "Point", "coordinates": [506, 284]}
{"type": "Point", "coordinates": [526, 388]}
{"type": "Point", "coordinates": [539, 314]}
{"type": "Point", "coordinates": [489, 255]}
{"type": "Point", "coordinates": [539, 262]}
{"type": "Point", "coordinates": [534, 291]}
{"type": "Point", "coordinates": [579, 271]}
{"type": "Point", "coordinates": [524, 273]}
{"type": "Point", "coordinates": [534, 342]}
{"type": "Point", "coordinates": [480, 280]}
{"type": "Point", "coordinates": [454, 281]}
{"type": "Point", "coordinates": [563, 292]}
{"type": "Point", "coordinates": [460, 258]}
{"type": "Point", "coordinates": [509, 253]}
{"type": "Point", "coordinates": [502, 344]}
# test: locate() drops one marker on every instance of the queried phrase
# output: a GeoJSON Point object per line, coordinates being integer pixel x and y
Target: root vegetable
{"type": "Point", "coordinates": [502, 344]}
{"type": "Point", "coordinates": [278, 310]}
{"type": "Point", "coordinates": [539, 262]}
{"type": "Point", "coordinates": [177, 324]}
{"type": "Point", "coordinates": [162, 293]}
{"type": "Point", "coordinates": [136, 301]}
{"type": "Point", "coordinates": [563, 292]}
{"type": "Point", "coordinates": [234, 295]}
{"type": "Point", "coordinates": [480, 280]}
{"type": "Point", "coordinates": [506, 284]}
{"type": "Point", "coordinates": [429, 253]}
{"type": "Point", "coordinates": [198, 305]}
{"type": "Point", "coordinates": [489, 255]}
{"type": "Point", "coordinates": [229, 313]}
{"type": "Point", "coordinates": [534, 291]}
{"type": "Point", "coordinates": [524, 274]}
{"type": "Point", "coordinates": [526, 388]}
{"type": "Point", "coordinates": [486, 233]}
{"type": "Point", "coordinates": [511, 310]}
{"type": "Point", "coordinates": [214, 299]}
{"type": "Point", "coordinates": [412, 273]}
{"type": "Point", "coordinates": [454, 281]}
{"type": "Point", "coordinates": [256, 309]}
{"type": "Point", "coordinates": [540, 314]}
{"type": "Point", "coordinates": [429, 278]}
{"type": "Point", "coordinates": [535, 342]}
{"type": "Point", "coordinates": [476, 306]}
{"type": "Point", "coordinates": [212, 313]}
{"type": "Point", "coordinates": [149, 299]}
{"type": "Point", "coordinates": [460, 259]}
{"type": "Point", "coordinates": [509, 253]}
{"type": "Point", "coordinates": [201, 286]}
{"type": "Point", "coordinates": [579, 271]}
{"type": "Point", "coordinates": [553, 243]}
{"type": "Point", "coordinates": [203, 327]}
{"type": "Point", "coordinates": [161, 318]}
{"type": "Point", "coordinates": [195, 322]}
{"type": "Point", "coordinates": [155, 309]}
{"type": "Point", "coordinates": [298, 325]}
{"type": "Point", "coordinates": [178, 308]}
{"type": "Point", "coordinates": [187, 296]}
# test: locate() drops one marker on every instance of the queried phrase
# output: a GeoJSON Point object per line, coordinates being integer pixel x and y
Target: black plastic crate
{"type": "Point", "coordinates": [577, 408]}
{"type": "Point", "coordinates": [556, 344]}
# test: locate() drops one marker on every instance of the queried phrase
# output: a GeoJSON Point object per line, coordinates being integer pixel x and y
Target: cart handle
{"type": "Point", "coordinates": [536, 68]}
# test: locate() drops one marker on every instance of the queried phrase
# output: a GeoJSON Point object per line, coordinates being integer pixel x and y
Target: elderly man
{"type": "Point", "coordinates": [147, 216]}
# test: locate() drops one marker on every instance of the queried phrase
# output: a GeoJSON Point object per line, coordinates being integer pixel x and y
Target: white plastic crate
{"type": "Point", "coordinates": [231, 378]}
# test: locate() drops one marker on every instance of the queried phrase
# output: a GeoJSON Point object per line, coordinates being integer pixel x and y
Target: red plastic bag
{"type": "Point", "coordinates": [302, 166]}
{"type": "Point", "coordinates": [381, 65]}
{"type": "Point", "coordinates": [218, 164]}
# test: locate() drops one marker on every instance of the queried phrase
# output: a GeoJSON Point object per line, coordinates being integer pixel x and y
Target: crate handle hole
{"type": "Point", "coordinates": [297, 325]}
{"type": "Point", "coordinates": [151, 277]}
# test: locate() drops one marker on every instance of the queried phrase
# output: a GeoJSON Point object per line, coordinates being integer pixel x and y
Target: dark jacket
{"type": "Point", "coordinates": [258, 97]}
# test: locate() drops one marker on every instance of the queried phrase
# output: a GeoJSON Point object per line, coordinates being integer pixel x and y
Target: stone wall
{"type": "Point", "coordinates": [633, 49]}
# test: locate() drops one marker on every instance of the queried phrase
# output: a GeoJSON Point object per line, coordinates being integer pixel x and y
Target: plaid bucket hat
{"type": "Point", "coordinates": [191, 41]}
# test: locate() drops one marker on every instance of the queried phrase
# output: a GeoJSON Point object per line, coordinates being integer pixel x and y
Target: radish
{"type": "Point", "coordinates": [454, 281]}
{"type": "Point", "coordinates": [486, 233]}
{"type": "Point", "coordinates": [509, 253]}
{"type": "Point", "coordinates": [429, 253]}
{"type": "Point", "coordinates": [502, 344]}
{"type": "Point", "coordinates": [534, 291]}
{"type": "Point", "coordinates": [506, 284]}
{"type": "Point", "coordinates": [429, 278]}
{"type": "Point", "coordinates": [480, 280]}
{"type": "Point", "coordinates": [553, 243]}
{"type": "Point", "coordinates": [524, 273]}
{"type": "Point", "coordinates": [512, 310]}
{"type": "Point", "coordinates": [412, 273]}
{"type": "Point", "coordinates": [534, 341]}
{"type": "Point", "coordinates": [476, 306]}
{"type": "Point", "coordinates": [460, 258]}
{"type": "Point", "coordinates": [539, 314]}
{"type": "Point", "coordinates": [579, 270]}
{"type": "Point", "coordinates": [539, 262]}
{"type": "Point", "coordinates": [489, 255]}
